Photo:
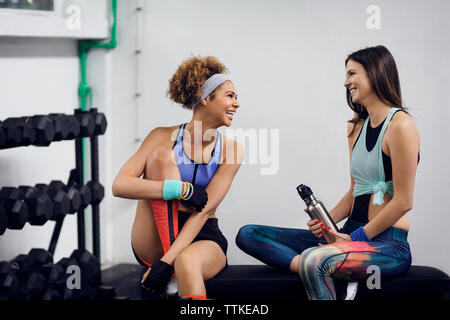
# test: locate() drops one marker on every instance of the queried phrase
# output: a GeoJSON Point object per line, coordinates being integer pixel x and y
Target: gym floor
{"type": "Point", "coordinates": [125, 278]}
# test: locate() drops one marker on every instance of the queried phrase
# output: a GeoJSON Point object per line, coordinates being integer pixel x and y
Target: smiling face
{"type": "Point", "coordinates": [357, 82]}
{"type": "Point", "coordinates": [222, 107]}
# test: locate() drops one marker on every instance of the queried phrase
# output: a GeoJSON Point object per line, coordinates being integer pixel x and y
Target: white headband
{"type": "Point", "coordinates": [210, 85]}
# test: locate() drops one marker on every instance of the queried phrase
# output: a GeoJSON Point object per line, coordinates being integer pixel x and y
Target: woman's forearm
{"type": "Point", "coordinates": [343, 208]}
{"type": "Point", "coordinates": [389, 215]}
{"type": "Point", "coordinates": [137, 188]}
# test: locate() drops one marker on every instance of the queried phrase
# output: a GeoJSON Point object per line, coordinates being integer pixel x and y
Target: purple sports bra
{"type": "Point", "coordinates": [199, 174]}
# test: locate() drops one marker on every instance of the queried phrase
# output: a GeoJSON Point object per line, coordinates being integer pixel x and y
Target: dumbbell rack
{"type": "Point", "coordinates": [76, 179]}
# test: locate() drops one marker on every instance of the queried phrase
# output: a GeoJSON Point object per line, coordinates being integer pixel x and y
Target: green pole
{"type": "Point", "coordinates": [83, 48]}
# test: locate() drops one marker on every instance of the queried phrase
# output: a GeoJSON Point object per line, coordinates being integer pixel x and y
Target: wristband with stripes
{"type": "Point", "coordinates": [176, 189]}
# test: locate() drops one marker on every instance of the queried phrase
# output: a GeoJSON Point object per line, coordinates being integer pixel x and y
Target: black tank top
{"type": "Point", "coordinates": [360, 210]}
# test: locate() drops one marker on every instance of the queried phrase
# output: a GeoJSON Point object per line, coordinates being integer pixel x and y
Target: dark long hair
{"type": "Point", "coordinates": [383, 75]}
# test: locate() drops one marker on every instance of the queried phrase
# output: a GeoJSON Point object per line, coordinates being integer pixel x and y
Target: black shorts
{"type": "Point", "coordinates": [210, 231]}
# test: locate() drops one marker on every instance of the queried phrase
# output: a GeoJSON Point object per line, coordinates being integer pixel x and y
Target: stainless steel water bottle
{"type": "Point", "coordinates": [317, 211]}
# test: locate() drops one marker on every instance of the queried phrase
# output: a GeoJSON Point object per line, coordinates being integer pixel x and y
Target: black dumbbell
{"type": "Point", "coordinates": [89, 264]}
{"type": "Point", "coordinates": [40, 205]}
{"type": "Point", "coordinates": [27, 132]}
{"type": "Point", "coordinates": [46, 280]}
{"type": "Point", "coordinates": [35, 286]}
{"type": "Point", "coordinates": [87, 123]}
{"type": "Point", "coordinates": [97, 191]}
{"type": "Point", "coordinates": [56, 281]}
{"type": "Point", "coordinates": [60, 199]}
{"type": "Point", "coordinates": [44, 128]}
{"type": "Point", "coordinates": [35, 277]}
{"type": "Point", "coordinates": [74, 197]}
{"type": "Point", "coordinates": [74, 126]}
{"type": "Point", "coordinates": [3, 220]}
{"type": "Point", "coordinates": [61, 124]}
{"type": "Point", "coordinates": [9, 280]}
{"type": "Point", "coordinates": [69, 291]}
{"type": "Point", "coordinates": [2, 136]}
{"type": "Point", "coordinates": [89, 270]}
{"type": "Point", "coordinates": [86, 196]}
{"type": "Point", "coordinates": [91, 193]}
{"type": "Point", "coordinates": [35, 282]}
{"type": "Point", "coordinates": [32, 261]}
{"type": "Point", "coordinates": [11, 135]}
{"type": "Point", "coordinates": [71, 126]}
{"type": "Point", "coordinates": [32, 282]}
{"type": "Point", "coordinates": [12, 203]}
{"type": "Point", "coordinates": [100, 121]}
{"type": "Point", "coordinates": [72, 193]}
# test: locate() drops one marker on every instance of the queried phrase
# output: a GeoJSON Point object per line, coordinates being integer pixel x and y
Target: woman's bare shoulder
{"type": "Point", "coordinates": [161, 136]}
{"type": "Point", "coordinates": [402, 120]}
{"type": "Point", "coordinates": [233, 150]}
{"type": "Point", "coordinates": [402, 128]}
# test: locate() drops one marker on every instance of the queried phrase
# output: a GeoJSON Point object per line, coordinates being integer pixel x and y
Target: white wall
{"type": "Point", "coordinates": [287, 61]}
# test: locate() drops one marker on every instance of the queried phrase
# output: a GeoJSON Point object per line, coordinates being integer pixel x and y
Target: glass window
{"type": "Point", "coordinates": [43, 5]}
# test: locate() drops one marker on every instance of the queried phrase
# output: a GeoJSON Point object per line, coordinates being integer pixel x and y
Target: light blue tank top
{"type": "Point", "coordinates": [367, 166]}
{"type": "Point", "coordinates": [194, 172]}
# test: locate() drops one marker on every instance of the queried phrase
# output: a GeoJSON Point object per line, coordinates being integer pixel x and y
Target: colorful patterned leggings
{"type": "Point", "coordinates": [389, 251]}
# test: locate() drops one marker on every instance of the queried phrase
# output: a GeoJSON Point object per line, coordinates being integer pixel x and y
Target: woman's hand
{"type": "Point", "coordinates": [340, 237]}
{"type": "Point", "coordinates": [316, 227]}
{"type": "Point", "coordinates": [157, 277]}
{"type": "Point", "coordinates": [198, 199]}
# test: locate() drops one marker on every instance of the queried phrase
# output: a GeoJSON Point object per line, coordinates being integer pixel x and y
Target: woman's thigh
{"type": "Point", "coordinates": [261, 235]}
{"type": "Point", "coordinates": [205, 256]}
{"type": "Point", "coordinates": [353, 260]}
{"type": "Point", "coordinates": [275, 246]}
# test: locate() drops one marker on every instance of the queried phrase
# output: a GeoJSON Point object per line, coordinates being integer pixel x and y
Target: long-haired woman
{"type": "Point", "coordinates": [383, 144]}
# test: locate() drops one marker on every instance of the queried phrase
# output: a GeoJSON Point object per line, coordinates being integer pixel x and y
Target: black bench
{"type": "Point", "coordinates": [260, 282]}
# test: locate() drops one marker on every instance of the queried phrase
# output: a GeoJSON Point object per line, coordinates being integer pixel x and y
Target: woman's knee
{"type": "Point", "coordinates": [309, 260]}
{"type": "Point", "coordinates": [244, 235]}
{"type": "Point", "coordinates": [160, 155]}
{"type": "Point", "coordinates": [161, 158]}
{"type": "Point", "coordinates": [187, 265]}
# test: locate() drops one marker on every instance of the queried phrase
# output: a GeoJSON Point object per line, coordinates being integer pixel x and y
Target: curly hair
{"type": "Point", "coordinates": [186, 83]}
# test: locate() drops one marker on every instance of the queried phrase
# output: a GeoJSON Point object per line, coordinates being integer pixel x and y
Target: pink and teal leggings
{"type": "Point", "coordinates": [318, 265]}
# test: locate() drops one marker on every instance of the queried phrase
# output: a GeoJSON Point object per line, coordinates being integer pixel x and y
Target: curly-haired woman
{"type": "Point", "coordinates": [187, 170]}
